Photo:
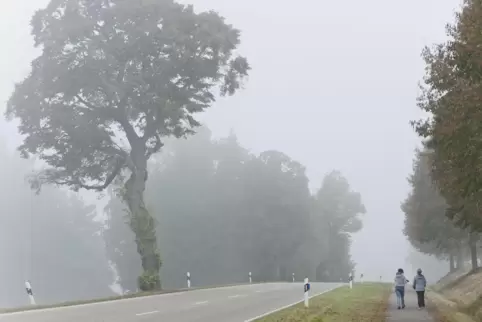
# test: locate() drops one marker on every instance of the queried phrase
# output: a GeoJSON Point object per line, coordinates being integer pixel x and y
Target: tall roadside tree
{"type": "Point", "coordinates": [276, 213]}
{"type": "Point", "coordinates": [337, 210]}
{"type": "Point", "coordinates": [114, 78]}
{"type": "Point", "coordinates": [427, 227]}
{"type": "Point", "coordinates": [452, 95]}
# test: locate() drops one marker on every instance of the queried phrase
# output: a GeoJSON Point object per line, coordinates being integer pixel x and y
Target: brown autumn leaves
{"type": "Point", "coordinates": [452, 95]}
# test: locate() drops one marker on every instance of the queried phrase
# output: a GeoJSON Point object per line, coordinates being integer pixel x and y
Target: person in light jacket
{"type": "Point", "coordinates": [419, 285]}
{"type": "Point", "coordinates": [400, 282]}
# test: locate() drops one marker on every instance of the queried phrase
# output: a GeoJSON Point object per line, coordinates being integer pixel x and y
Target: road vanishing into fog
{"type": "Point", "coordinates": [225, 304]}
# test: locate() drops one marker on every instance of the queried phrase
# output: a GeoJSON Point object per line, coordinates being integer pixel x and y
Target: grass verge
{"type": "Point", "coordinates": [107, 299]}
{"type": "Point", "coordinates": [366, 302]}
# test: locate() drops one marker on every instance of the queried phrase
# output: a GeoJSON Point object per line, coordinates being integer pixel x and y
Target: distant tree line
{"type": "Point", "coordinates": [50, 239]}
{"type": "Point", "coordinates": [443, 211]}
{"type": "Point", "coordinates": [222, 212]}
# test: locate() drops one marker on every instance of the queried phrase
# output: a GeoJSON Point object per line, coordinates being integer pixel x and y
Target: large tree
{"type": "Point", "coordinates": [114, 78]}
{"type": "Point", "coordinates": [452, 96]}
{"type": "Point", "coordinates": [427, 227]}
{"type": "Point", "coordinates": [336, 215]}
{"type": "Point", "coordinates": [276, 219]}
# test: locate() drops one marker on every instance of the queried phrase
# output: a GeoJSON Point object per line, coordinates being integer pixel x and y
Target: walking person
{"type": "Point", "coordinates": [400, 281]}
{"type": "Point", "coordinates": [419, 285]}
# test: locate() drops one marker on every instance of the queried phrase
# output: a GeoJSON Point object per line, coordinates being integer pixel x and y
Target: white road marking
{"type": "Point", "coordinates": [287, 306]}
{"type": "Point", "coordinates": [201, 302]}
{"type": "Point", "coordinates": [147, 313]}
{"type": "Point", "coordinates": [236, 296]}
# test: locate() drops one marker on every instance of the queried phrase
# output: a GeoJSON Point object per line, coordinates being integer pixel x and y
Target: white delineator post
{"type": "Point", "coordinates": [361, 278]}
{"type": "Point", "coordinates": [28, 288]}
{"type": "Point", "coordinates": [307, 291]}
{"type": "Point", "coordinates": [293, 277]}
{"type": "Point", "coordinates": [188, 276]}
{"type": "Point", "coordinates": [350, 278]}
{"type": "Point", "coordinates": [250, 278]}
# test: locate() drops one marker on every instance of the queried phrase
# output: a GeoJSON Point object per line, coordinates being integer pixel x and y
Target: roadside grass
{"type": "Point", "coordinates": [111, 298]}
{"type": "Point", "coordinates": [445, 310]}
{"type": "Point", "coordinates": [366, 302]}
{"type": "Point", "coordinates": [457, 297]}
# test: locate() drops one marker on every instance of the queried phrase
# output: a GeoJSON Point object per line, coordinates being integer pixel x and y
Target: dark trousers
{"type": "Point", "coordinates": [421, 298]}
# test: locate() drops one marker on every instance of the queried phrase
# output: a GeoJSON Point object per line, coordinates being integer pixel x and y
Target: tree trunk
{"type": "Point", "coordinates": [473, 250]}
{"type": "Point", "coordinates": [143, 226]}
{"type": "Point", "coordinates": [460, 257]}
{"type": "Point", "coordinates": [452, 263]}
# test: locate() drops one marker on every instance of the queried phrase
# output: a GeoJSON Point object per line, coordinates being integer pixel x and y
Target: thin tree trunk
{"type": "Point", "coordinates": [460, 257]}
{"type": "Point", "coordinates": [143, 226]}
{"type": "Point", "coordinates": [452, 263]}
{"type": "Point", "coordinates": [473, 250]}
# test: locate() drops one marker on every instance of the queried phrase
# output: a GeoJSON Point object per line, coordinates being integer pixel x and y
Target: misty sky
{"type": "Point", "coordinates": [333, 85]}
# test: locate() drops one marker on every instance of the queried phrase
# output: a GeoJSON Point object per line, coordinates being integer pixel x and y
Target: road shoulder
{"type": "Point", "coordinates": [366, 302]}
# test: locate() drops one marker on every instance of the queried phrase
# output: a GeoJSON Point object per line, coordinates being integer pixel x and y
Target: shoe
{"type": "Point", "coordinates": [399, 307]}
{"type": "Point", "coordinates": [403, 306]}
{"type": "Point", "coordinates": [419, 308]}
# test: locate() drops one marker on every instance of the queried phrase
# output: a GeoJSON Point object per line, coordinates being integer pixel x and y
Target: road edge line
{"type": "Point", "coordinates": [289, 305]}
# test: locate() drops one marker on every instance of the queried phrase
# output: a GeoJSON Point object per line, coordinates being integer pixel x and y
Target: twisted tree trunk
{"type": "Point", "coordinates": [143, 224]}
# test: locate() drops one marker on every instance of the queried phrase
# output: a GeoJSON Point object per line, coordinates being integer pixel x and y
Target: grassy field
{"type": "Point", "coordinates": [366, 302]}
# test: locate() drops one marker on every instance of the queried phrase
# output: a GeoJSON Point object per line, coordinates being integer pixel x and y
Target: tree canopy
{"type": "Point", "coordinates": [114, 78]}
{"type": "Point", "coordinates": [427, 227]}
{"type": "Point", "coordinates": [451, 94]}
{"type": "Point", "coordinates": [452, 97]}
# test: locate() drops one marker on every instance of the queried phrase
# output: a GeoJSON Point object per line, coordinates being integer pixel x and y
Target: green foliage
{"type": "Point", "coordinates": [336, 216]}
{"type": "Point", "coordinates": [113, 79]}
{"type": "Point", "coordinates": [366, 302]}
{"type": "Point", "coordinates": [426, 224]}
{"type": "Point", "coordinates": [452, 96]}
{"type": "Point", "coordinates": [149, 281]}
{"type": "Point", "coordinates": [452, 133]}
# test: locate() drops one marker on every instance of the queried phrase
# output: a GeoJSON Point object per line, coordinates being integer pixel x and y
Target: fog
{"type": "Point", "coordinates": [333, 86]}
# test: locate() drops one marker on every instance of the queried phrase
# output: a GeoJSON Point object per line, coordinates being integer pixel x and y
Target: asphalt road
{"type": "Point", "coordinates": [226, 304]}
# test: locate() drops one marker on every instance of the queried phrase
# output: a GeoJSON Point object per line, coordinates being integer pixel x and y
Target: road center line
{"type": "Point", "coordinates": [236, 296]}
{"type": "Point", "coordinates": [147, 313]}
{"type": "Point", "coordinates": [201, 302]}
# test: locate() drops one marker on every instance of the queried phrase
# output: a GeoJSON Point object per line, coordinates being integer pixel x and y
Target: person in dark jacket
{"type": "Point", "coordinates": [419, 285]}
